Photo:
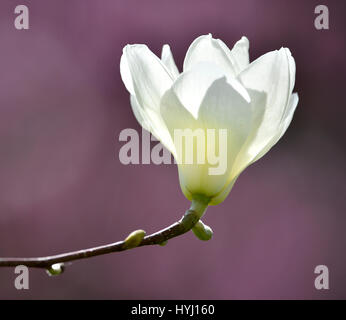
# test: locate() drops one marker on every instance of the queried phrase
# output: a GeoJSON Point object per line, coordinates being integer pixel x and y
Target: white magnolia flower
{"type": "Point", "coordinates": [218, 89]}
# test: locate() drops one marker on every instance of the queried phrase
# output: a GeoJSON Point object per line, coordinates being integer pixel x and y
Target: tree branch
{"type": "Point", "coordinates": [188, 221]}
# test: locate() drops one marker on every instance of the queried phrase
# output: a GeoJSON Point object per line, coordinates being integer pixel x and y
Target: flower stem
{"type": "Point", "coordinates": [199, 204]}
{"type": "Point", "coordinates": [135, 239]}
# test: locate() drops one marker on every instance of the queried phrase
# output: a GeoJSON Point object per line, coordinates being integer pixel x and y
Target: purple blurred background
{"type": "Point", "coordinates": [62, 186]}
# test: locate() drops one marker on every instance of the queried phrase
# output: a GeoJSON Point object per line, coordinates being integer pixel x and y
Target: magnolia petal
{"type": "Point", "coordinates": [283, 126]}
{"type": "Point", "coordinates": [244, 158]}
{"type": "Point", "coordinates": [168, 61]}
{"type": "Point", "coordinates": [292, 105]}
{"type": "Point", "coordinates": [221, 196]}
{"type": "Point", "coordinates": [192, 85]}
{"type": "Point", "coordinates": [150, 79]}
{"type": "Point", "coordinates": [207, 49]}
{"type": "Point", "coordinates": [239, 55]}
{"type": "Point", "coordinates": [147, 79]}
{"type": "Point", "coordinates": [152, 121]}
{"type": "Point", "coordinates": [292, 73]}
{"type": "Point", "coordinates": [272, 74]}
{"type": "Point", "coordinates": [139, 113]}
{"type": "Point", "coordinates": [176, 116]}
{"type": "Point", "coordinates": [126, 74]}
{"type": "Point", "coordinates": [221, 108]}
{"type": "Point", "coordinates": [224, 107]}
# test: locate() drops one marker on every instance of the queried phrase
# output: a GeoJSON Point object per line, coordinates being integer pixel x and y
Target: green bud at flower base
{"type": "Point", "coordinates": [202, 231]}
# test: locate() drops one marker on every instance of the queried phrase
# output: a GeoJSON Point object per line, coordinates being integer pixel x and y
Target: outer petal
{"type": "Point", "coordinates": [125, 73]}
{"type": "Point", "coordinates": [292, 105]}
{"type": "Point", "coordinates": [222, 108]}
{"type": "Point", "coordinates": [272, 74]}
{"type": "Point", "coordinates": [147, 79]}
{"type": "Point", "coordinates": [292, 72]}
{"type": "Point", "coordinates": [283, 126]}
{"type": "Point", "coordinates": [150, 79]}
{"type": "Point", "coordinates": [139, 113]}
{"type": "Point", "coordinates": [207, 49]}
{"type": "Point", "coordinates": [224, 193]}
{"type": "Point", "coordinates": [168, 61]}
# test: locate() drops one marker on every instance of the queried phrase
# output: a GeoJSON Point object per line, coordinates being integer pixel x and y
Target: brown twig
{"type": "Point", "coordinates": [188, 221]}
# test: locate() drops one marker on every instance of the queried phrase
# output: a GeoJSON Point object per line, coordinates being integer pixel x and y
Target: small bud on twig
{"type": "Point", "coordinates": [134, 239]}
{"type": "Point", "coordinates": [56, 269]}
